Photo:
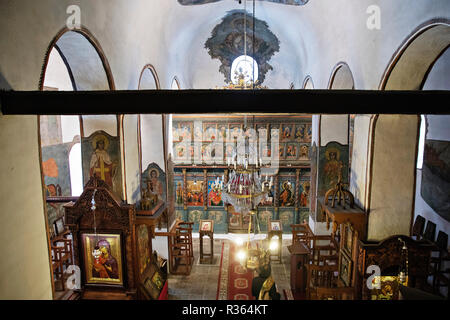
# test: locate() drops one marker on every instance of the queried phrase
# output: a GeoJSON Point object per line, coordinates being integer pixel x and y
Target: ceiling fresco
{"type": "Point", "coordinates": [227, 42]}
{"type": "Point", "coordinates": [288, 2]}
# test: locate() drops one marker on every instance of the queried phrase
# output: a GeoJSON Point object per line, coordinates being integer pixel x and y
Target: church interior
{"type": "Point", "coordinates": [182, 205]}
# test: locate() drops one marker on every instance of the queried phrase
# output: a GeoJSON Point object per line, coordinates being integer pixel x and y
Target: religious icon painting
{"type": "Point", "coordinates": [274, 132]}
{"type": "Point", "coordinates": [268, 201]}
{"type": "Point", "coordinates": [229, 150]}
{"type": "Point", "coordinates": [287, 197]}
{"type": "Point", "coordinates": [286, 131]}
{"type": "Point", "coordinates": [206, 152]}
{"type": "Point", "coordinates": [235, 131]}
{"type": "Point", "coordinates": [209, 131]}
{"type": "Point", "coordinates": [345, 269]}
{"type": "Point", "coordinates": [300, 132]}
{"type": "Point", "coordinates": [291, 151]}
{"type": "Point", "coordinates": [214, 194]}
{"type": "Point", "coordinates": [185, 131]}
{"type": "Point", "coordinates": [194, 193]}
{"type": "Point", "coordinates": [287, 218]}
{"type": "Point", "coordinates": [304, 193]}
{"type": "Point", "coordinates": [176, 134]}
{"type": "Point", "coordinates": [281, 153]}
{"type": "Point", "coordinates": [304, 152]}
{"type": "Point", "coordinates": [308, 133]}
{"type": "Point", "coordinates": [101, 157]}
{"type": "Point", "coordinates": [222, 132]}
{"type": "Point", "coordinates": [102, 255]}
{"type": "Point", "coordinates": [275, 225]}
{"type": "Point", "coordinates": [262, 132]}
{"type": "Point", "coordinates": [264, 217]}
{"type": "Point", "coordinates": [143, 247]}
{"type": "Point", "coordinates": [179, 192]}
{"type": "Point", "coordinates": [180, 153]}
{"type": "Point", "coordinates": [206, 225]}
{"type": "Point", "coordinates": [198, 132]}
{"type": "Point", "coordinates": [266, 151]}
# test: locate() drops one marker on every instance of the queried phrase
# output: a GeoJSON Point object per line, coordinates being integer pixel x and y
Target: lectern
{"type": "Point", "coordinates": [299, 259]}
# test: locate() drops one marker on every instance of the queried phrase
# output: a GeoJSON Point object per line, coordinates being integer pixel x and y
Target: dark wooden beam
{"type": "Point", "coordinates": [224, 101]}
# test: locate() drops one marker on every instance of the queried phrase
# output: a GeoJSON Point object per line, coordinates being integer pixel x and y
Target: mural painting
{"type": "Point", "coordinates": [56, 171]}
{"type": "Point", "coordinates": [101, 158]}
{"type": "Point", "coordinates": [333, 159]}
{"type": "Point", "coordinates": [435, 187]}
{"type": "Point", "coordinates": [153, 186]}
{"type": "Point", "coordinates": [227, 43]}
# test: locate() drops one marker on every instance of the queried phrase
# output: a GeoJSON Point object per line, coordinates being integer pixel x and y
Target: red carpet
{"type": "Point", "coordinates": [235, 283]}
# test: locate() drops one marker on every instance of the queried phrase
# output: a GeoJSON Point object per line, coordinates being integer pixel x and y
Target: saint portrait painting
{"type": "Point", "coordinates": [102, 258]}
{"type": "Point", "coordinates": [332, 167]}
{"type": "Point", "coordinates": [100, 154]}
{"type": "Point", "coordinates": [287, 197]}
{"type": "Point", "coordinates": [101, 164]}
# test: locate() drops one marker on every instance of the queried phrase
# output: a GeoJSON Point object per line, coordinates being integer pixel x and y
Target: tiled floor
{"type": "Point", "coordinates": [201, 284]}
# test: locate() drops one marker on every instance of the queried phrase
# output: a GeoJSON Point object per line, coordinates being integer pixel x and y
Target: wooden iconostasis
{"type": "Point", "coordinates": [202, 148]}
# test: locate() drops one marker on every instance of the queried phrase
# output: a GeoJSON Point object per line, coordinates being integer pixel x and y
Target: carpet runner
{"type": "Point", "coordinates": [235, 283]}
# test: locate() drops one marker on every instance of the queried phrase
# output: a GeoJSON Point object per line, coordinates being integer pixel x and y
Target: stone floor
{"type": "Point", "coordinates": [202, 282]}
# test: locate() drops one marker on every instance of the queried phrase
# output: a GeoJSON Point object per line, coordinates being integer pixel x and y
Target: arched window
{"type": "Point", "coordinates": [423, 128]}
{"type": "Point", "coordinates": [244, 65]}
{"type": "Point", "coordinates": [75, 168]}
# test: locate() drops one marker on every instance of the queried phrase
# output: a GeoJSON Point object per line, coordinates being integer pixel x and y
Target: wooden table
{"type": "Point", "coordinates": [299, 259]}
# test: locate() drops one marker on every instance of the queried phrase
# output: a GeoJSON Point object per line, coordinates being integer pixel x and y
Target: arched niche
{"type": "Point", "coordinates": [148, 80]}
{"type": "Point", "coordinates": [413, 60]}
{"type": "Point", "coordinates": [84, 58]}
{"type": "Point", "coordinates": [175, 84]}
{"type": "Point", "coordinates": [308, 83]}
{"type": "Point", "coordinates": [341, 77]}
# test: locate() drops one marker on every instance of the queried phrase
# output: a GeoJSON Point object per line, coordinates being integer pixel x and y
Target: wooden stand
{"type": "Point", "coordinates": [270, 235]}
{"type": "Point", "coordinates": [299, 259]}
{"type": "Point", "coordinates": [206, 257]}
{"type": "Point", "coordinates": [181, 254]}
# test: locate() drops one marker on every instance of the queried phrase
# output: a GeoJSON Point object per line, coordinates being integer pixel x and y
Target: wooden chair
{"type": "Point", "coordinates": [340, 293]}
{"type": "Point", "coordinates": [430, 231]}
{"type": "Point", "coordinates": [324, 254]}
{"type": "Point", "coordinates": [320, 276]}
{"type": "Point", "coordinates": [181, 249]}
{"type": "Point", "coordinates": [419, 225]}
{"type": "Point", "coordinates": [302, 233]}
{"type": "Point", "coordinates": [440, 277]}
{"type": "Point", "coordinates": [57, 266]}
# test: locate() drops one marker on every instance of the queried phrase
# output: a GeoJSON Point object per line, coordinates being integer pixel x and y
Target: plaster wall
{"type": "Point", "coordinates": [151, 140]}
{"type": "Point", "coordinates": [393, 173]}
{"type": "Point", "coordinates": [22, 222]}
{"type": "Point", "coordinates": [131, 148]}
{"type": "Point", "coordinates": [333, 128]}
{"type": "Point", "coordinates": [360, 168]}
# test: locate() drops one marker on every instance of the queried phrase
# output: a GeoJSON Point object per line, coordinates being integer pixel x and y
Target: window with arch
{"type": "Point", "coordinates": [244, 67]}
{"type": "Point", "coordinates": [421, 146]}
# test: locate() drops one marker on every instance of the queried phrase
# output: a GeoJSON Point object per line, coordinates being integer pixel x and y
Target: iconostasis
{"type": "Point", "coordinates": [203, 147]}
